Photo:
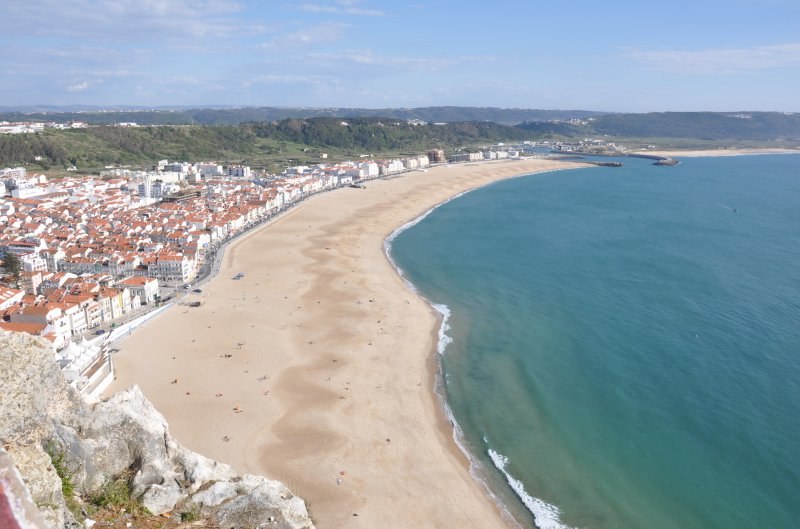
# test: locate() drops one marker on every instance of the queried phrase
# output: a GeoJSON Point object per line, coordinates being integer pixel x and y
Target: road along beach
{"type": "Point", "coordinates": [316, 367]}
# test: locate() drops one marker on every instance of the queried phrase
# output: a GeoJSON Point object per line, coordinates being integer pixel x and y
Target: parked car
{"type": "Point", "coordinates": [197, 290]}
{"type": "Point", "coordinates": [100, 331]}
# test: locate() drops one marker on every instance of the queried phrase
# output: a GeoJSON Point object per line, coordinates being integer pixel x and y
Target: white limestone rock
{"type": "Point", "coordinates": [159, 499]}
{"type": "Point", "coordinates": [43, 483]}
{"type": "Point", "coordinates": [17, 499]}
{"type": "Point", "coordinates": [215, 495]}
{"type": "Point", "coordinates": [268, 504]}
{"type": "Point", "coordinates": [124, 434]}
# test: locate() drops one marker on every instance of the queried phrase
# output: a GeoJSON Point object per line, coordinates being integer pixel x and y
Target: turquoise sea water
{"type": "Point", "coordinates": [626, 341]}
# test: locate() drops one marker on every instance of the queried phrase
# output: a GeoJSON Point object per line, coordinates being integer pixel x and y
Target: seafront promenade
{"type": "Point", "coordinates": [317, 368]}
{"type": "Point", "coordinates": [213, 259]}
{"type": "Point", "coordinates": [183, 294]}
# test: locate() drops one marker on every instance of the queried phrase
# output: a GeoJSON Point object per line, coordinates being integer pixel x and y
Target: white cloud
{"type": "Point", "coordinates": [289, 79]}
{"type": "Point", "coordinates": [341, 8]}
{"type": "Point", "coordinates": [369, 59]}
{"type": "Point", "coordinates": [123, 19]}
{"type": "Point", "coordinates": [721, 60]}
{"type": "Point", "coordinates": [327, 32]}
{"type": "Point", "coordinates": [78, 87]}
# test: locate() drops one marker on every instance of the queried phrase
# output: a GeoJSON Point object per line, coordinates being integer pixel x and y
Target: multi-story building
{"type": "Point", "coordinates": [146, 288]}
{"type": "Point", "coordinates": [209, 169]}
{"type": "Point", "coordinates": [157, 189]}
{"type": "Point", "coordinates": [239, 171]}
{"type": "Point", "coordinates": [49, 314]}
{"type": "Point", "coordinates": [33, 263]}
{"type": "Point", "coordinates": [368, 170]}
{"type": "Point", "coordinates": [467, 157]}
{"type": "Point", "coordinates": [437, 156]}
{"type": "Point", "coordinates": [172, 268]}
{"type": "Point", "coordinates": [13, 172]}
{"type": "Point", "coordinates": [77, 317]}
{"type": "Point", "coordinates": [177, 167]}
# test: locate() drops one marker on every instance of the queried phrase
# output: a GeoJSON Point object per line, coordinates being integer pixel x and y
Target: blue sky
{"type": "Point", "coordinates": [612, 56]}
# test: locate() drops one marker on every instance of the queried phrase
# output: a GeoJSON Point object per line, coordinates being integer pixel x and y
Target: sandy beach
{"type": "Point", "coordinates": [317, 368]}
{"type": "Point", "coordinates": [717, 152]}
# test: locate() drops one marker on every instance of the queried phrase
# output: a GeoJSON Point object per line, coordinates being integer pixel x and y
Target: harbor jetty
{"type": "Point", "coordinates": [659, 160]}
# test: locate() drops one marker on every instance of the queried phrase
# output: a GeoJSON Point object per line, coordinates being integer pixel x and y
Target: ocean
{"type": "Point", "coordinates": [621, 346]}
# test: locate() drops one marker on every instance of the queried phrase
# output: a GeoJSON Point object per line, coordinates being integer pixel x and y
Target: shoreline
{"type": "Point", "coordinates": [535, 508]}
{"type": "Point", "coordinates": [442, 340]}
{"type": "Point", "coordinates": [308, 411]}
{"type": "Point", "coordinates": [696, 153]}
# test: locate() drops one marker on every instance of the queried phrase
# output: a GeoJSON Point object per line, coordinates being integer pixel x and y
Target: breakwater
{"type": "Point", "coordinates": [659, 160]}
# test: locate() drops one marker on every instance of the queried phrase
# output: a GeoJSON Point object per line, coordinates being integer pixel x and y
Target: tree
{"type": "Point", "coordinates": [13, 266]}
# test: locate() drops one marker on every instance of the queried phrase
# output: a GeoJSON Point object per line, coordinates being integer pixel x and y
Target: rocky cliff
{"type": "Point", "coordinates": [58, 451]}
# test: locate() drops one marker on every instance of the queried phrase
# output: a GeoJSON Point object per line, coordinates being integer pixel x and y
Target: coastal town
{"type": "Point", "coordinates": [88, 258]}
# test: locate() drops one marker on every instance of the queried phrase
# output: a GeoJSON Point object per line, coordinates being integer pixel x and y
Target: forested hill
{"type": "Point", "coordinates": [382, 134]}
{"type": "Point", "coordinates": [268, 143]}
{"type": "Point", "coordinates": [257, 143]}
{"type": "Point", "coordinates": [759, 126]}
{"type": "Point", "coordinates": [712, 126]}
{"type": "Point", "coordinates": [765, 126]}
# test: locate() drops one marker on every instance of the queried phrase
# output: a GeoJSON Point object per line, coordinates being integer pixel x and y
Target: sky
{"type": "Point", "coordinates": [626, 56]}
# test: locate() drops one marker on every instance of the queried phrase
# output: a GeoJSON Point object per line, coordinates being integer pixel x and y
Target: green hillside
{"type": "Point", "coordinates": [276, 144]}
{"type": "Point", "coordinates": [764, 127]}
{"type": "Point", "coordinates": [268, 145]}
{"type": "Point", "coordinates": [383, 134]}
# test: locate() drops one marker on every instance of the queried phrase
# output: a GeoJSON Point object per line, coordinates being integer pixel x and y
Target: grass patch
{"type": "Point", "coordinates": [192, 515]}
{"type": "Point", "coordinates": [66, 475]}
{"type": "Point", "coordinates": [116, 494]}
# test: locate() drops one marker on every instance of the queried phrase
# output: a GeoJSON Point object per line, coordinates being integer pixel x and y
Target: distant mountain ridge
{"type": "Point", "coordinates": [708, 126]}
{"type": "Point", "coordinates": [713, 126]}
{"type": "Point", "coordinates": [763, 126]}
{"type": "Point", "coordinates": [230, 115]}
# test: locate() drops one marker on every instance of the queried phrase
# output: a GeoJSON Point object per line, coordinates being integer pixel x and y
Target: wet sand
{"type": "Point", "coordinates": [317, 367]}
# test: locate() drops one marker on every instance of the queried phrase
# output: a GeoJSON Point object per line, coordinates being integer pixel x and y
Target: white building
{"type": "Point", "coordinates": [368, 170]}
{"type": "Point", "coordinates": [239, 171]}
{"type": "Point", "coordinates": [172, 269]}
{"type": "Point", "coordinates": [46, 316]}
{"type": "Point", "coordinates": [175, 167]}
{"type": "Point", "coordinates": [209, 169]}
{"type": "Point", "coordinates": [33, 263]}
{"type": "Point", "coordinates": [145, 287]}
{"type": "Point", "coordinates": [157, 189]}
{"type": "Point", "coordinates": [392, 166]}
{"type": "Point", "coordinates": [28, 192]}
{"type": "Point", "coordinates": [13, 172]}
